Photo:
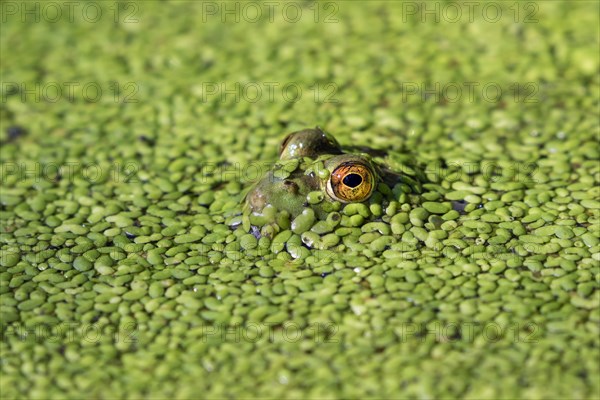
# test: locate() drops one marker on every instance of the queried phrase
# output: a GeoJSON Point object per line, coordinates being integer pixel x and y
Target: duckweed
{"type": "Point", "coordinates": [128, 271]}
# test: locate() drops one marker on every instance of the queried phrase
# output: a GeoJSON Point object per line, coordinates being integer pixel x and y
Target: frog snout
{"type": "Point", "coordinates": [256, 199]}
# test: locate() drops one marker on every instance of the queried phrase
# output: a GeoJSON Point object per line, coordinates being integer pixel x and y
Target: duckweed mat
{"type": "Point", "coordinates": [130, 131]}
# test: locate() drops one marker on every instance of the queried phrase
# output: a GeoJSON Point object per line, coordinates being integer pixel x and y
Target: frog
{"type": "Point", "coordinates": [315, 172]}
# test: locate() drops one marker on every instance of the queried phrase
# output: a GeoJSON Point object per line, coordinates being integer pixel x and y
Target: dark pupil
{"type": "Point", "coordinates": [352, 180]}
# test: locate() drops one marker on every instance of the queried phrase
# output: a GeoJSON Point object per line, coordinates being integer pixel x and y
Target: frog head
{"type": "Point", "coordinates": [313, 171]}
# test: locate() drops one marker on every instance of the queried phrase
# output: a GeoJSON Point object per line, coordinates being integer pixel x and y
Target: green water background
{"type": "Point", "coordinates": [129, 133]}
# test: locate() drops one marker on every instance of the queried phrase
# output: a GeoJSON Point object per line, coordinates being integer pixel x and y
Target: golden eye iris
{"type": "Point", "coordinates": [351, 182]}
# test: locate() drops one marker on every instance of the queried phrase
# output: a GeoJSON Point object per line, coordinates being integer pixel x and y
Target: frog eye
{"type": "Point", "coordinates": [351, 181]}
{"type": "Point", "coordinates": [308, 143]}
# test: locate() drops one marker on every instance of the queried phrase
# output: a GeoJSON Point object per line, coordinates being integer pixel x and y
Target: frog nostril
{"type": "Point", "coordinates": [290, 186]}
